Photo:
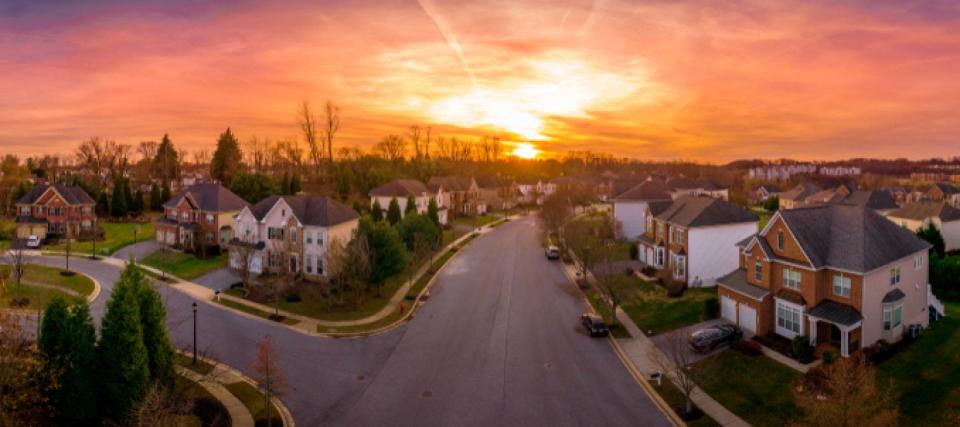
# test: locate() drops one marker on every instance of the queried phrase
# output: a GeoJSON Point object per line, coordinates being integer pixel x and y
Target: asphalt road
{"type": "Point", "coordinates": [498, 343]}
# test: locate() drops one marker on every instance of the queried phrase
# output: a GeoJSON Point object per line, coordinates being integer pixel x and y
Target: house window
{"type": "Point", "coordinates": [892, 316]}
{"type": "Point", "coordinates": [210, 236]}
{"type": "Point", "coordinates": [659, 260]}
{"type": "Point", "coordinates": [788, 320]}
{"type": "Point", "coordinates": [209, 218]}
{"type": "Point", "coordinates": [308, 264]}
{"type": "Point", "coordinates": [649, 222]}
{"type": "Point", "coordinates": [758, 270]}
{"type": "Point", "coordinates": [309, 236]}
{"type": "Point", "coordinates": [680, 236]}
{"type": "Point", "coordinates": [841, 285]}
{"type": "Point", "coordinates": [660, 230]}
{"type": "Point", "coordinates": [894, 275]}
{"type": "Point", "coordinates": [319, 265]}
{"type": "Point", "coordinates": [274, 233]}
{"type": "Point", "coordinates": [185, 216]}
{"type": "Point", "coordinates": [780, 240]}
{"type": "Point", "coordinates": [24, 211]}
{"type": "Point", "coordinates": [791, 278]}
{"type": "Point", "coordinates": [293, 234]}
{"type": "Point", "coordinates": [85, 210]}
{"type": "Point", "coordinates": [918, 262]}
{"type": "Point", "coordinates": [172, 215]}
{"type": "Point", "coordinates": [319, 238]}
{"type": "Point", "coordinates": [679, 266]}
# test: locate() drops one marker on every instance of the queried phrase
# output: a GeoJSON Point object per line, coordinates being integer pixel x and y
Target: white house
{"type": "Point", "coordinates": [291, 234]}
{"type": "Point", "coordinates": [402, 189]}
{"type": "Point", "coordinates": [917, 215]}
{"type": "Point", "coordinates": [630, 207]}
{"type": "Point", "coordinates": [530, 191]}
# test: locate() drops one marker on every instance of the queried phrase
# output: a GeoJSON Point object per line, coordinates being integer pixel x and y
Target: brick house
{"type": "Point", "coordinates": [201, 211]}
{"type": "Point", "coordinates": [839, 274]}
{"type": "Point", "coordinates": [797, 196]}
{"type": "Point", "coordinates": [55, 211]}
{"type": "Point", "coordinates": [689, 240]}
{"type": "Point", "coordinates": [943, 192]}
{"type": "Point", "coordinates": [292, 234]}
{"type": "Point", "coordinates": [459, 194]}
{"type": "Point", "coordinates": [497, 192]}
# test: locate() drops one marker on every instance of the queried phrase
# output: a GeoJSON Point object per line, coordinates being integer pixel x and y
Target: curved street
{"type": "Point", "coordinates": [498, 343]}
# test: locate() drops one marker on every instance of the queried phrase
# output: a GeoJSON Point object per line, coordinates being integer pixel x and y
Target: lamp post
{"type": "Point", "coordinates": [194, 334]}
{"type": "Point", "coordinates": [136, 228]}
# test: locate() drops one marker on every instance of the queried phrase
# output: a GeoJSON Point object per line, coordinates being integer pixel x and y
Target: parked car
{"type": "Point", "coordinates": [33, 242]}
{"type": "Point", "coordinates": [553, 252]}
{"type": "Point", "coordinates": [594, 325]}
{"type": "Point", "coordinates": [707, 339]}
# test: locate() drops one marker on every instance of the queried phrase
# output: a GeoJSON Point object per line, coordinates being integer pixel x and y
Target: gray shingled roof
{"type": "Point", "coordinates": [927, 209]}
{"type": "Point", "coordinates": [737, 281]}
{"type": "Point", "coordinates": [800, 192]}
{"type": "Point", "coordinates": [825, 196]}
{"type": "Point", "coordinates": [836, 313]}
{"type": "Point", "coordinates": [400, 188]}
{"type": "Point", "coordinates": [310, 210]}
{"type": "Point", "coordinates": [492, 181]}
{"type": "Point", "coordinates": [946, 188]}
{"type": "Point", "coordinates": [683, 183]}
{"type": "Point", "coordinates": [210, 198]}
{"type": "Point", "coordinates": [878, 199]}
{"type": "Point", "coordinates": [647, 190]}
{"type": "Point", "coordinates": [698, 211]}
{"type": "Point", "coordinates": [71, 194]}
{"type": "Point", "coordinates": [450, 183]}
{"type": "Point", "coordinates": [850, 237]}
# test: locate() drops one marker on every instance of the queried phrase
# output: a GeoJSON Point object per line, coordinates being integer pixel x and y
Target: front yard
{"type": "Point", "coordinates": [653, 311]}
{"type": "Point", "coordinates": [184, 265]}
{"type": "Point", "coordinates": [38, 297]}
{"type": "Point", "coordinates": [475, 221]}
{"type": "Point", "coordinates": [115, 236]}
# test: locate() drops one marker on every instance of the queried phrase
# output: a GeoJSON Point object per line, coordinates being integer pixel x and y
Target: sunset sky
{"type": "Point", "coordinates": [701, 80]}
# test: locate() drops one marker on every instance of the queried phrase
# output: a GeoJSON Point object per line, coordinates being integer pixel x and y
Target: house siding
{"type": "Point", "coordinates": [913, 283]}
{"type": "Point", "coordinates": [630, 215]}
{"type": "Point", "coordinates": [711, 251]}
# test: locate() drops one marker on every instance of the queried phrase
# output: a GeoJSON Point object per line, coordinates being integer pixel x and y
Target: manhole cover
{"type": "Point", "coordinates": [427, 393]}
{"type": "Point", "coordinates": [360, 377]}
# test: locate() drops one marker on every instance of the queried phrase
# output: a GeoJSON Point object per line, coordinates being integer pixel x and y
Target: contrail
{"type": "Point", "coordinates": [447, 34]}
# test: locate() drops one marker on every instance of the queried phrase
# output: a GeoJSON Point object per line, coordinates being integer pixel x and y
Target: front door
{"type": "Point", "coordinates": [293, 264]}
{"type": "Point", "coordinates": [835, 336]}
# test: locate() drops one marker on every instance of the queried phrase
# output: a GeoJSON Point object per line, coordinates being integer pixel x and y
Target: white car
{"type": "Point", "coordinates": [33, 242]}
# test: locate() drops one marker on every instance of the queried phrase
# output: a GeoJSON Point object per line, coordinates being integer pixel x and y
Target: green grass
{"type": "Point", "coordinates": [926, 374]}
{"type": "Point", "coordinates": [38, 297]}
{"type": "Point", "coordinates": [183, 265]}
{"type": "Point", "coordinates": [116, 235]}
{"type": "Point", "coordinates": [211, 407]}
{"type": "Point", "coordinates": [652, 310]}
{"type": "Point", "coordinates": [756, 388]}
{"type": "Point", "coordinates": [254, 311]}
{"type": "Point", "coordinates": [674, 397]}
{"type": "Point", "coordinates": [478, 221]}
{"type": "Point", "coordinates": [253, 400]}
{"type": "Point", "coordinates": [603, 309]}
{"type": "Point", "coordinates": [764, 218]}
{"type": "Point", "coordinates": [51, 276]}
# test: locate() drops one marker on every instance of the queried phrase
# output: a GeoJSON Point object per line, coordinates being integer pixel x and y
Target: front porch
{"type": "Point", "coordinates": [837, 325]}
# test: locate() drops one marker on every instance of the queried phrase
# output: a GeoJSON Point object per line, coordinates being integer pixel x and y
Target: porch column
{"type": "Point", "coordinates": [844, 342]}
{"type": "Point", "coordinates": [813, 331]}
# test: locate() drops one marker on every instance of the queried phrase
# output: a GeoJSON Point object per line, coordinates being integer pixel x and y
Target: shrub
{"type": "Point", "coordinates": [675, 289]}
{"type": "Point", "coordinates": [829, 356]}
{"type": "Point", "coordinates": [748, 348]}
{"type": "Point", "coordinates": [802, 351]}
{"type": "Point", "coordinates": [711, 308]}
{"type": "Point", "coordinates": [648, 271]}
{"type": "Point", "coordinates": [293, 298]}
{"type": "Point", "coordinates": [634, 252]}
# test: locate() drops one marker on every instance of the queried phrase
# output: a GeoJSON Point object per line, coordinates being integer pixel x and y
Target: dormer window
{"type": "Point", "coordinates": [781, 240]}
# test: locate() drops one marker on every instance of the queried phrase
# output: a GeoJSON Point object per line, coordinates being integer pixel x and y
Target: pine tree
{"type": "Point", "coordinates": [52, 329]}
{"type": "Point", "coordinates": [153, 321]}
{"type": "Point", "coordinates": [376, 212]}
{"type": "Point", "coordinates": [411, 205]}
{"type": "Point", "coordinates": [433, 212]}
{"type": "Point", "coordinates": [76, 396]}
{"type": "Point", "coordinates": [103, 204]}
{"type": "Point", "coordinates": [295, 184]}
{"type": "Point", "coordinates": [166, 164]}
{"type": "Point", "coordinates": [164, 195]}
{"type": "Point", "coordinates": [156, 204]}
{"type": "Point", "coordinates": [118, 205]}
{"type": "Point", "coordinates": [227, 160]}
{"type": "Point", "coordinates": [124, 370]}
{"type": "Point", "coordinates": [138, 203]}
{"type": "Point", "coordinates": [127, 194]}
{"type": "Point", "coordinates": [393, 212]}
{"type": "Point", "coordinates": [285, 183]}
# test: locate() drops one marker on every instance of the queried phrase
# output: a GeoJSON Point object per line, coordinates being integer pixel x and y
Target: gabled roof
{"type": "Point", "coordinates": [210, 198]}
{"type": "Point", "coordinates": [682, 183]}
{"type": "Point", "coordinates": [658, 206]}
{"type": "Point", "coordinates": [698, 211]}
{"type": "Point", "coordinates": [927, 209]}
{"type": "Point", "coordinates": [946, 188]}
{"type": "Point", "coordinates": [800, 192]}
{"type": "Point", "coordinates": [877, 200]}
{"type": "Point", "coordinates": [450, 183]}
{"type": "Point", "coordinates": [492, 181]}
{"type": "Point", "coordinates": [849, 237]}
{"type": "Point", "coordinates": [768, 188]}
{"type": "Point", "coordinates": [647, 190]}
{"type": "Point", "coordinates": [624, 183]}
{"type": "Point", "coordinates": [319, 211]}
{"type": "Point", "coordinates": [72, 195]}
{"type": "Point", "coordinates": [825, 196]}
{"type": "Point", "coordinates": [401, 188]}
{"type": "Point", "coordinates": [737, 281]}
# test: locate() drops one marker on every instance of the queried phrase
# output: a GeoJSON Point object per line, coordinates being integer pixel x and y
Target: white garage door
{"type": "Point", "coordinates": [729, 309]}
{"type": "Point", "coordinates": [748, 318]}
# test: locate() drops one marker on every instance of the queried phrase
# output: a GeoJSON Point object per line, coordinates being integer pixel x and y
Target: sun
{"type": "Point", "coordinates": [525, 151]}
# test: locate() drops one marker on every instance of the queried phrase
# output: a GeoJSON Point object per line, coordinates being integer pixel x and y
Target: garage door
{"type": "Point", "coordinates": [748, 318]}
{"type": "Point", "coordinates": [729, 310]}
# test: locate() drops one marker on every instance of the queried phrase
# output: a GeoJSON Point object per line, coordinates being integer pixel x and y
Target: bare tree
{"type": "Point", "coordinates": [426, 143]}
{"type": "Point", "coordinates": [200, 158]}
{"type": "Point", "coordinates": [675, 362]}
{"type": "Point", "coordinates": [391, 147]}
{"type": "Point", "coordinates": [257, 151]}
{"type": "Point", "coordinates": [182, 154]}
{"type": "Point", "coordinates": [349, 265]}
{"type": "Point", "coordinates": [16, 259]}
{"type": "Point", "coordinates": [414, 136]}
{"type": "Point", "coordinates": [242, 252]}
{"type": "Point", "coordinates": [554, 214]}
{"type": "Point", "coordinates": [267, 373]}
{"type": "Point", "coordinates": [846, 394]}
{"type": "Point", "coordinates": [147, 150]}
{"type": "Point", "coordinates": [331, 125]}
{"type": "Point", "coordinates": [308, 125]}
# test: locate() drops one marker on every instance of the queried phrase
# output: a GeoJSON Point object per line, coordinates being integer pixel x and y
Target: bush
{"type": "Point", "coordinates": [711, 308]}
{"type": "Point", "coordinates": [648, 271]}
{"type": "Point", "coordinates": [802, 351]}
{"type": "Point", "coordinates": [748, 348]}
{"type": "Point", "coordinates": [634, 252]}
{"type": "Point", "coordinates": [293, 298]}
{"type": "Point", "coordinates": [829, 356]}
{"type": "Point", "coordinates": [675, 289]}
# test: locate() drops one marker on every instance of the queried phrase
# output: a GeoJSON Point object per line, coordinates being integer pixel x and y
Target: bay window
{"type": "Point", "coordinates": [789, 320]}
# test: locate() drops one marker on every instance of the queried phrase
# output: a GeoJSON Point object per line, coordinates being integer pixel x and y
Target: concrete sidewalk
{"type": "Point", "coordinates": [213, 383]}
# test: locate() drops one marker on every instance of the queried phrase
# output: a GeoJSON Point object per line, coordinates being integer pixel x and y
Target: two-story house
{"type": "Point", "coordinates": [55, 211]}
{"type": "Point", "coordinates": [201, 211]}
{"type": "Point", "coordinates": [689, 239]}
{"type": "Point", "coordinates": [943, 192]}
{"type": "Point", "coordinates": [402, 189]}
{"type": "Point", "coordinates": [944, 217]}
{"type": "Point", "coordinates": [797, 196]}
{"type": "Point", "coordinates": [460, 195]}
{"type": "Point", "coordinates": [838, 274]}
{"type": "Point", "coordinates": [528, 190]}
{"type": "Point", "coordinates": [630, 207]}
{"type": "Point", "coordinates": [292, 234]}
{"type": "Point", "coordinates": [497, 192]}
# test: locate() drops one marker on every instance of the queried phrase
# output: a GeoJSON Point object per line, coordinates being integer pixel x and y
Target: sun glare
{"type": "Point", "coordinates": [525, 151]}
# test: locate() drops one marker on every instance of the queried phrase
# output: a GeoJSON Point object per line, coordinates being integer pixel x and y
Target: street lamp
{"type": "Point", "coordinates": [136, 228]}
{"type": "Point", "coordinates": [194, 334]}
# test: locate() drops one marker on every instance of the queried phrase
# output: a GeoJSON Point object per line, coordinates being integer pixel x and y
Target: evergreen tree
{"type": "Point", "coordinates": [160, 351]}
{"type": "Point", "coordinates": [52, 328]}
{"type": "Point", "coordinates": [393, 212]}
{"type": "Point", "coordinates": [376, 212]}
{"type": "Point", "coordinates": [75, 397]}
{"type": "Point", "coordinates": [933, 236]}
{"type": "Point", "coordinates": [137, 205]}
{"type": "Point", "coordinates": [118, 205]}
{"type": "Point", "coordinates": [433, 212]}
{"type": "Point", "coordinates": [227, 160]}
{"type": "Point", "coordinates": [285, 183]}
{"type": "Point", "coordinates": [418, 227]}
{"type": "Point", "coordinates": [164, 195]}
{"type": "Point", "coordinates": [388, 256]}
{"type": "Point", "coordinates": [411, 205]}
{"type": "Point", "coordinates": [103, 204]}
{"type": "Point", "coordinates": [124, 370]}
{"type": "Point", "coordinates": [20, 191]}
{"type": "Point", "coordinates": [127, 194]}
{"type": "Point", "coordinates": [295, 184]}
{"type": "Point", "coordinates": [253, 187]}
{"type": "Point", "coordinates": [156, 204]}
{"type": "Point", "coordinates": [166, 164]}
{"type": "Point", "coordinates": [357, 207]}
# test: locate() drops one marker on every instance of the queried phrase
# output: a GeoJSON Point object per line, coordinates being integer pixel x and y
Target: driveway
{"type": "Point", "coordinates": [498, 343]}
{"type": "Point", "coordinates": [663, 341]}
{"type": "Point", "coordinates": [220, 278]}
{"type": "Point", "coordinates": [139, 250]}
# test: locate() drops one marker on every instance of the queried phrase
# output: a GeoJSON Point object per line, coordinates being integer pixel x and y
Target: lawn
{"type": "Point", "coordinates": [926, 375]}
{"type": "Point", "coordinates": [603, 309]}
{"type": "Point", "coordinates": [475, 221]}
{"type": "Point", "coordinates": [39, 297]}
{"type": "Point", "coordinates": [674, 397]}
{"type": "Point", "coordinates": [756, 388]}
{"type": "Point", "coordinates": [253, 400]}
{"type": "Point", "coordinates": [253, 310]}
{"type": "Point", "coordinates": [652, 310]}
{"type": "Point", "coordinates": [184, 265]}
{"type": "Point", "coordinates": [115, 236]}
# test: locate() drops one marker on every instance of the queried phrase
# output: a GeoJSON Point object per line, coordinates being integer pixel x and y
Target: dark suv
{"type": "Point", "coordinates": [708, 339]}
{"type": "Point", "coordinates": [594, 325]}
